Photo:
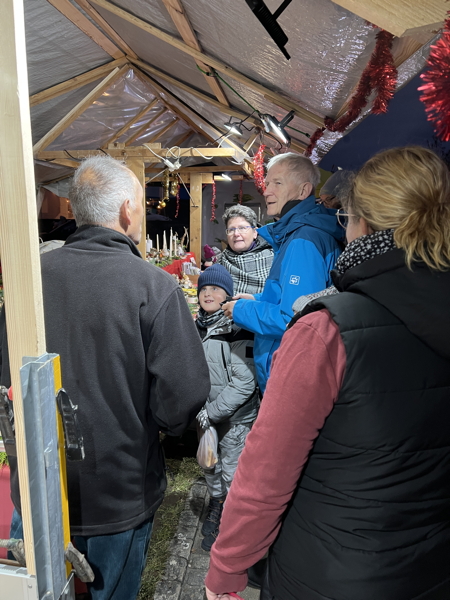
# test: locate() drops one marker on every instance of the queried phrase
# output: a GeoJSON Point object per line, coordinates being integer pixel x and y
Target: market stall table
{"type": "Point", "coordinates": [176, 267]}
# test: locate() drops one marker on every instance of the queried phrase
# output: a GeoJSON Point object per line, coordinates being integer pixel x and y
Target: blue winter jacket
{"type": "Point", "coordinates": [306, 241]}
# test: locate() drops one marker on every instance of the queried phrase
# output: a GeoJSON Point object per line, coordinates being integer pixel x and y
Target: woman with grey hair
{"type": "Point", "coordinates": [248, 257]}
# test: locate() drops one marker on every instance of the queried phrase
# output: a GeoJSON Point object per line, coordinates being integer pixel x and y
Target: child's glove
{"type": "Point", "coordinates": [203, 419]}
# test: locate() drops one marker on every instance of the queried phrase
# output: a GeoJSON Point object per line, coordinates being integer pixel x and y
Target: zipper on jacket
{"type": "Point", "coordinates": [224, 363]}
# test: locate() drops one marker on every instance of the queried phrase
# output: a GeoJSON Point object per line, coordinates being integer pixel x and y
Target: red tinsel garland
{"type": "Point", "coordinates": [436, 91]}
{"type": "Point", "coordinates": [241, 192]}
{"type": "Point", "coordinates": [258, 171]}
{"type": "Point", "coordinates": [380, 74]}
{"type": "Point", "coordinates": [213, 202]}
{"type": "Point", "coordinates": [178, 201]}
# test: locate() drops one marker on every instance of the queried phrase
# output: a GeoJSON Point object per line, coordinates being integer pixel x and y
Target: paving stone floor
{"type": "Point", "coordinates": [188, 563]}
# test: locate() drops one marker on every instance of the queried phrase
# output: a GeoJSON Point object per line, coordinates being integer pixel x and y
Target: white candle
{"type": "Point", "coordinates": [259, 214]}
{"type": "Point", "coordinates": [171, 242]}
{"type": "Point", "coordinates": [157, 242]}
{"type": "Point", "coordinates": [164, 241]}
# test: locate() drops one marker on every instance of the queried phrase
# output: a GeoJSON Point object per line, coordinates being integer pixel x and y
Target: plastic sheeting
{"type": "Point", "coordinates": [406, 72]}
{"type": "Point", "coordinates": [329, 49]}
{"type": "Point", "coordinates": [56, 49]}
{"type": "Point", "coordinates": [327, 45]}
{"type": "Point", "coordinates": [46, 115]}
{"type": "Point", "coordinates": [121, 101]}
{"type": "Point", "coordinates": [161, 55]}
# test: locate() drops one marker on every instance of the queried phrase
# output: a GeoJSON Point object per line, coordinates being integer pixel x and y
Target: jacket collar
{"type": "Point", "coordinates": [96, 237]}
{"type": "Point", "coordinates": [306, 212]}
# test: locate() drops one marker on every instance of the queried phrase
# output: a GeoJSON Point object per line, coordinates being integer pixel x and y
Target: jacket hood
{"type": "Point", "coordinates": [87, 236]}
{"type": "Point", "coordinates": [419, 298]}
{"type": "Point", "coordinates": [307, 212]}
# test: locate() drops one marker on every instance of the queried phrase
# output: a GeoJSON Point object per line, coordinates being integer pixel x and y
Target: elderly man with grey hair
{"type": "Point", "coordinates": [248, 257]}
{"type": "Point", "coordinates": [120, 326]}
{"type": "Point", "coordinates": [306, 240]}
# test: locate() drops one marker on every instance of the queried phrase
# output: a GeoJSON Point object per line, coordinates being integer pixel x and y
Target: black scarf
{"type": "Point", "coordinates": [364, 248]}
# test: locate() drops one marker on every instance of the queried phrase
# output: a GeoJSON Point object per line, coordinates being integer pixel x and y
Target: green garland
{"type": "Point", "coordinates": [3, 459]}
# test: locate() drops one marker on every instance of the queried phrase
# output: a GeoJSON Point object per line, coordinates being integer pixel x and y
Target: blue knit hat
{"type": "Point", "coordinates": [216, 275]}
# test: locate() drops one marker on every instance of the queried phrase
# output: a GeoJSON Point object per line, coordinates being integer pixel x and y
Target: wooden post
{"type": "Point", "coordinates": [19, 233]}
{"type": "Point", "coordinates": [137, 166]}
{"type": "Point", "coordinates": [195, 216]}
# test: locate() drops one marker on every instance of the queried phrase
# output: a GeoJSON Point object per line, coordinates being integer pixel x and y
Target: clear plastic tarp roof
{"type": "Point", "coordinates": [329, 48]}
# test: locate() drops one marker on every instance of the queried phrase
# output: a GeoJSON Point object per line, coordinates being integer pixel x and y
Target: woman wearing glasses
{"type": "Point", "coordinates": [248, 257]}
{"type": "Point", "coordinates": [347, 468]}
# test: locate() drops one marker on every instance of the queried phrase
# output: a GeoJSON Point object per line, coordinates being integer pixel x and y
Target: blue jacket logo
{"type": "Point", "coordinates": [295, 279]}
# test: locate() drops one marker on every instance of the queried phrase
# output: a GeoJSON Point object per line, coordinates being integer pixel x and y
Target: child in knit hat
{"type": "Point", "coordinates": [233, 402]}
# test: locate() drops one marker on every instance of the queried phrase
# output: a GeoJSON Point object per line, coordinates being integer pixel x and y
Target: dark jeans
{"type": "Point", "coordinates": [117, 560]}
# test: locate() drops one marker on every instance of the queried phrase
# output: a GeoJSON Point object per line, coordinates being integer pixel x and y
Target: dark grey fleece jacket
{"type": "Point", "coordinates": [132, 361]}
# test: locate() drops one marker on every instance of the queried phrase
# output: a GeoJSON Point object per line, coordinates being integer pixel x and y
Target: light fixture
{"type": "Point", "coordinates": [226, 177]}
{"type": "Point", "coordinates": [234, 128]}
{"type": "Point", "coordinates": [272, 125]}
{"type": "Point", "coordinates": [269, 21]}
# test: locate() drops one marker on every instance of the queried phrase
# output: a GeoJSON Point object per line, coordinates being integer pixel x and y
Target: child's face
{"type": "Point", "coordinates": [210, 297]}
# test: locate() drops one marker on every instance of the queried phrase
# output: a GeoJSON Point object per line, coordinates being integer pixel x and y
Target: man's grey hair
{"type": "Point", "coordinates": [100, 186]}
{"type": "Point", "coordinates": [240, 211]}
{"type": "Point", "coordinates": [299, 167]}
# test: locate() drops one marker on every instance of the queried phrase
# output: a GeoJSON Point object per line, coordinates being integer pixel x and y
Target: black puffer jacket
{"type": "Point", "coordinates": [132, 361]}
{"type": "Point", "coordinates": [370, 518]}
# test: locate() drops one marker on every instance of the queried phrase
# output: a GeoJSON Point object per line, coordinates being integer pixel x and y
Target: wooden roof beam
{"type": "Point", "coordinates": [164, 130]}
{"type": "Point", "coordinates": [208, 169]}
{"type": "Point", "coordinates": [83, 23]}
{"type": "Point", "coordinates": [212, 62]}
{"type": "Point", "coordinates": [131, 122]}
{"type": "Point", "coordinates": [165, 93]}
{"type": "Point", "coordinates": [145, 126]}
{"type": "Point", "coordinates": [97, 17]}
{"type": "Point", "coordinates": [76, 82]}
{"type": "Point", "coordinates": [137, 152]}
{"type": "Point", "coordinates": [182, 23]}
{"type": "Point", "coordinates": [226, 110]}
{"type": "Point", "coordinates": [79, 109]}
{"type": "Point", "coordinates": [401, 17]}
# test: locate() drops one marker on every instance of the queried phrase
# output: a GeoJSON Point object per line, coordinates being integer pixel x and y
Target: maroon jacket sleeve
{"type": "Point", "coordinates": [305, 379]}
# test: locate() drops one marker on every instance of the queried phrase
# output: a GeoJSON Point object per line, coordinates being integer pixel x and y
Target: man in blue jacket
{"type": "Point", "coordinates": [307, 242]}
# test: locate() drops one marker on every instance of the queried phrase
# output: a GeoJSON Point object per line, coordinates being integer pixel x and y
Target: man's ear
{"type": "Point", "coordinates": [125, 215]}
{"type": "Point", "coordinates": [305, 190]}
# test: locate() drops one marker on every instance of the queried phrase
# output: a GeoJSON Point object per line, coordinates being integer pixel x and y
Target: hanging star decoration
{"type": "Point", "coordinates": [436, 88]}
{"type": "Point", "coordinates": [213, 202]}
{"type": "Point", "coordinates": [380, 74]}
{"type": "Point", "coordinates": [258, 171]}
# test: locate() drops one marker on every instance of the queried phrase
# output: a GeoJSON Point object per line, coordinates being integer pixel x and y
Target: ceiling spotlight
{"type": "Point", "coordinates": [272, 125]}
{"type": "Point", "coordinates": [226, 177]}
{"type": "Point", "coordinates": [234, 128]}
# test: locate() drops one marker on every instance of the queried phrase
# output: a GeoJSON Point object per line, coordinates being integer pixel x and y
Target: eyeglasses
{"type": "Point", "coordinates": [235, 230]}
{"type": "Point", "coordinates": [342, 217]}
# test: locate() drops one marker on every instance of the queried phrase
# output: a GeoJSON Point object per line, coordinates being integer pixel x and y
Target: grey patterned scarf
{"type": "Point", "coordinates": [250, 269]}
{"type": "Point", "coordinates": [204, 320]}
